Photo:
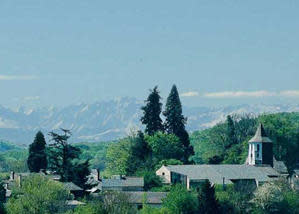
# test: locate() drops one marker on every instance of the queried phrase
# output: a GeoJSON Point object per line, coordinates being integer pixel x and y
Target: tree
{"type": "Point", "coordinates": [175, 122]}
{"type": "Point", "coordinates": [64, 159]}
{"type": "Point", "coordinates": [38, 195]}
{"type": "Point", "coordinates": [276, 197]}
{"type": "Point", "coordinates": [165, 146]}
{"type": "Point", "coordinates": [207, 203]}
{"type": "Point", "coordinates": [151, 113]}
{"type": "Point", "coordinates": [118, 157]}
{"type": "Point", "coordinates": [2, 192]}
{"type": "Point", "coordinates": [2, 197]}
{"type": "Point", "coordinates": [37, 159]}
{"type": "Point", "coordinates": [140, 153]}
{"type": "Point", "coordinates": [231, 133]}
{"type": "Point", "coordinates": [180, 201]}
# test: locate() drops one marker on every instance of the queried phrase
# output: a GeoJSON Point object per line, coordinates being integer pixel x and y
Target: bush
{"type": "Point", "coordinates": [276, 197]}
{"type": "Point", "coordinates": [38, 195]}
{"type": "Point", "coordinates": [180, 201]}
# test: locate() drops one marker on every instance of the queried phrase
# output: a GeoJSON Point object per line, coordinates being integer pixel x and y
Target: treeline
{"type": "Point", "coordinates": [227, 142]}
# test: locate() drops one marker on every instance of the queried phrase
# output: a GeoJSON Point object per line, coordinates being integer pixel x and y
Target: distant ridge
{"type": "Point", "coordinates": [109, 120]}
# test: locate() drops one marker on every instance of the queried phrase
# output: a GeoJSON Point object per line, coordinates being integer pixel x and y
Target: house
{"type": "Point", "coordinates": [74, 189]}
{"type": "Point", "coordinates": [153, 199]}
{"type": "Point", "coordinates": [122, 183]}
{"type": "Point", "coordinates": [260, 167]}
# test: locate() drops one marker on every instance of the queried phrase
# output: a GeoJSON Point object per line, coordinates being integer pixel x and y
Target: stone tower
{"type": "Point", "coordinates": [260, 150]}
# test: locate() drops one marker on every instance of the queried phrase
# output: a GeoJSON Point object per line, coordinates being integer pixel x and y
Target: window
{"type": "Point", "coordinates": [163, 173]}
{"type": "Point", "coordinates": [258, 147]}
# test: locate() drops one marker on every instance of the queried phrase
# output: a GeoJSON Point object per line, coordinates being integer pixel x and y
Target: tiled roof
{"type": "Point", "coordinates": [216, 173]}
{"type": "Point", "coordinates": [149, 197]}
{"type": "Point", "coordinates": [123, 182]}
{"type": "Point", "coordinates": [260, 136]}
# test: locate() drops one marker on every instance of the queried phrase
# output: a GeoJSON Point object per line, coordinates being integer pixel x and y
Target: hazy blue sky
{"type": "Point", "coordinates": [67, 51]}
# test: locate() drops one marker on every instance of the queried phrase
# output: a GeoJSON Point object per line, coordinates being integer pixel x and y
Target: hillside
{"type": "Point", "coordinates": [213, 145]}
{"type": "Point", "coordinates": [108, 120]}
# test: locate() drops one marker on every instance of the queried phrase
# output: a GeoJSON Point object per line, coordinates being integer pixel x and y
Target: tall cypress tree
{"type": "Point", "coordinates": [151, 112]}
{"type": "Point", "coordinates": [37, 158]}
{"type": "Point", "coordinates": [175, 122]}
{"type": "Point", "coordinates": [231, 132]}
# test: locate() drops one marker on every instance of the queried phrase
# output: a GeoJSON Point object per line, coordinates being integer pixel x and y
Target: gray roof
{"type": "Point", "coordinates": [216, 173]}
{"type": "Point", "coordinates": [123, 182]}
{"type": "Point", "coordinates": [71, 186]}
{"type": "Point", "coordinates": [296, 171]}
{"type": "Point", "coordinates": [260, 136]}
{"type": "Point", "coordinates": [280, 166]}
{"type": "Point", "coordinates": [151, 197]}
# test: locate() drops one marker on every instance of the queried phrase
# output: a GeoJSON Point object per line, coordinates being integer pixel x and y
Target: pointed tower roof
{"type": "Point", "coordinates": [260, 136]}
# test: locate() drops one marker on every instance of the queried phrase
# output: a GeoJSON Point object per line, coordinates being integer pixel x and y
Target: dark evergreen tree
{"type": "Point", "coordinates": [64, 159]}
{"type": "Point", "coordinates": [2, 192]}
{"type": "Point", "coordinates": [80, 173]}
{"type": "Point", "coordinates": [175, 122]}
{"type": "Point", "coordinates": [207, 203]}
{"type": "Point", "coordinates": [231, 132]}
{"type": "Point", "coordinates": [2, 198]}
{"type": "Point", "coordinates": [37, 158]}
{"type": "Point", "coordinates": [141, 150]}
{"type": "Point", "coordinates": [140, 154]}
{"type": "Point", "coordinates": [151, 112]}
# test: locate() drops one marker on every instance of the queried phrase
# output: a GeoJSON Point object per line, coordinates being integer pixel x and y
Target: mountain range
{"type": "Point", "coordinates": [109, 120]}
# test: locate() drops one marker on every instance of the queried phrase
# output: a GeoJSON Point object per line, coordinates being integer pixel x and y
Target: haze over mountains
{"type": "Point", "coordinates": [109, 120]}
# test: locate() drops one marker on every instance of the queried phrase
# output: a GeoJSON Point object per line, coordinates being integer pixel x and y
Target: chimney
{"type": "Point", "coordinates": [223, 184]}
{"type": "Point", "coordinates": [12, 175]}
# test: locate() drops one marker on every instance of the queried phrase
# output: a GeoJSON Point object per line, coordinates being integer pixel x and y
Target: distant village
{"type": "Point", "coordinates": [260, 167]}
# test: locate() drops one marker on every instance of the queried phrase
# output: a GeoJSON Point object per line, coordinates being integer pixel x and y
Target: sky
{"type": "Point", "coordinates": [216, 52]}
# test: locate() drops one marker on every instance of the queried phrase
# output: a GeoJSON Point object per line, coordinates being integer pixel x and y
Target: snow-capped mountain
{"type": "Point", "coordinates": [108, 120]}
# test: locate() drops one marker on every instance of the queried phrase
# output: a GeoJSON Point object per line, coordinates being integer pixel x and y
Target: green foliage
{"type": "Point", "coordinates": [6, 146]}
{"type": "Point", "coordinates": [37, 158]}
{"type": "Point", "coordinates": [180, 201]}
{"type": "Point", "coordinates": [150, 179]}
{"type": "Point", "coordinates": [232, 201]}
{"type": "Point", "coordinates": [118, 156]}
{"type": "Point", "coordinates": [231, 133]}
{"type": "Point", "coordinates": [38, 195]}
{"type": "Point", "coordinates": [276, 197]}
{"type": "Point", "coordinates": [140, 154]}
{"type": "Point", "coordinates": [150, 210]}
{"type": "Point", "coordinates": [213, 145]}
{"type": "Point", "coordinates": [2, 192]}
{"type": "Point", "coordinates": [15, 160]}
{"type": "Point", "coordinates": [95, 152]}
{"type": "Point", "coordinates": [92, 207]}
{"type": "Point", "coordinates": [151, 113]}
{"type": "Point", "coordinates": [175, 123]}
{"type": "Point", "coordinates": [283, 129]}
{"type": "Point", "coordinates": [207, 203]}
{"type": "Point", "coordinates": [164, 146]}
{"type": "Point", "coordinates": [65, 159]}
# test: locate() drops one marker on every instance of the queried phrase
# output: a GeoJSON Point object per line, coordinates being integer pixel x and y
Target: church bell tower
{"type": "Point", "coordinates": [260, 150]}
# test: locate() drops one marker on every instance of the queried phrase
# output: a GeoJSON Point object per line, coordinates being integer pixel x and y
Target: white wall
{"type": "Point", "coordinates": [164, 173]}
